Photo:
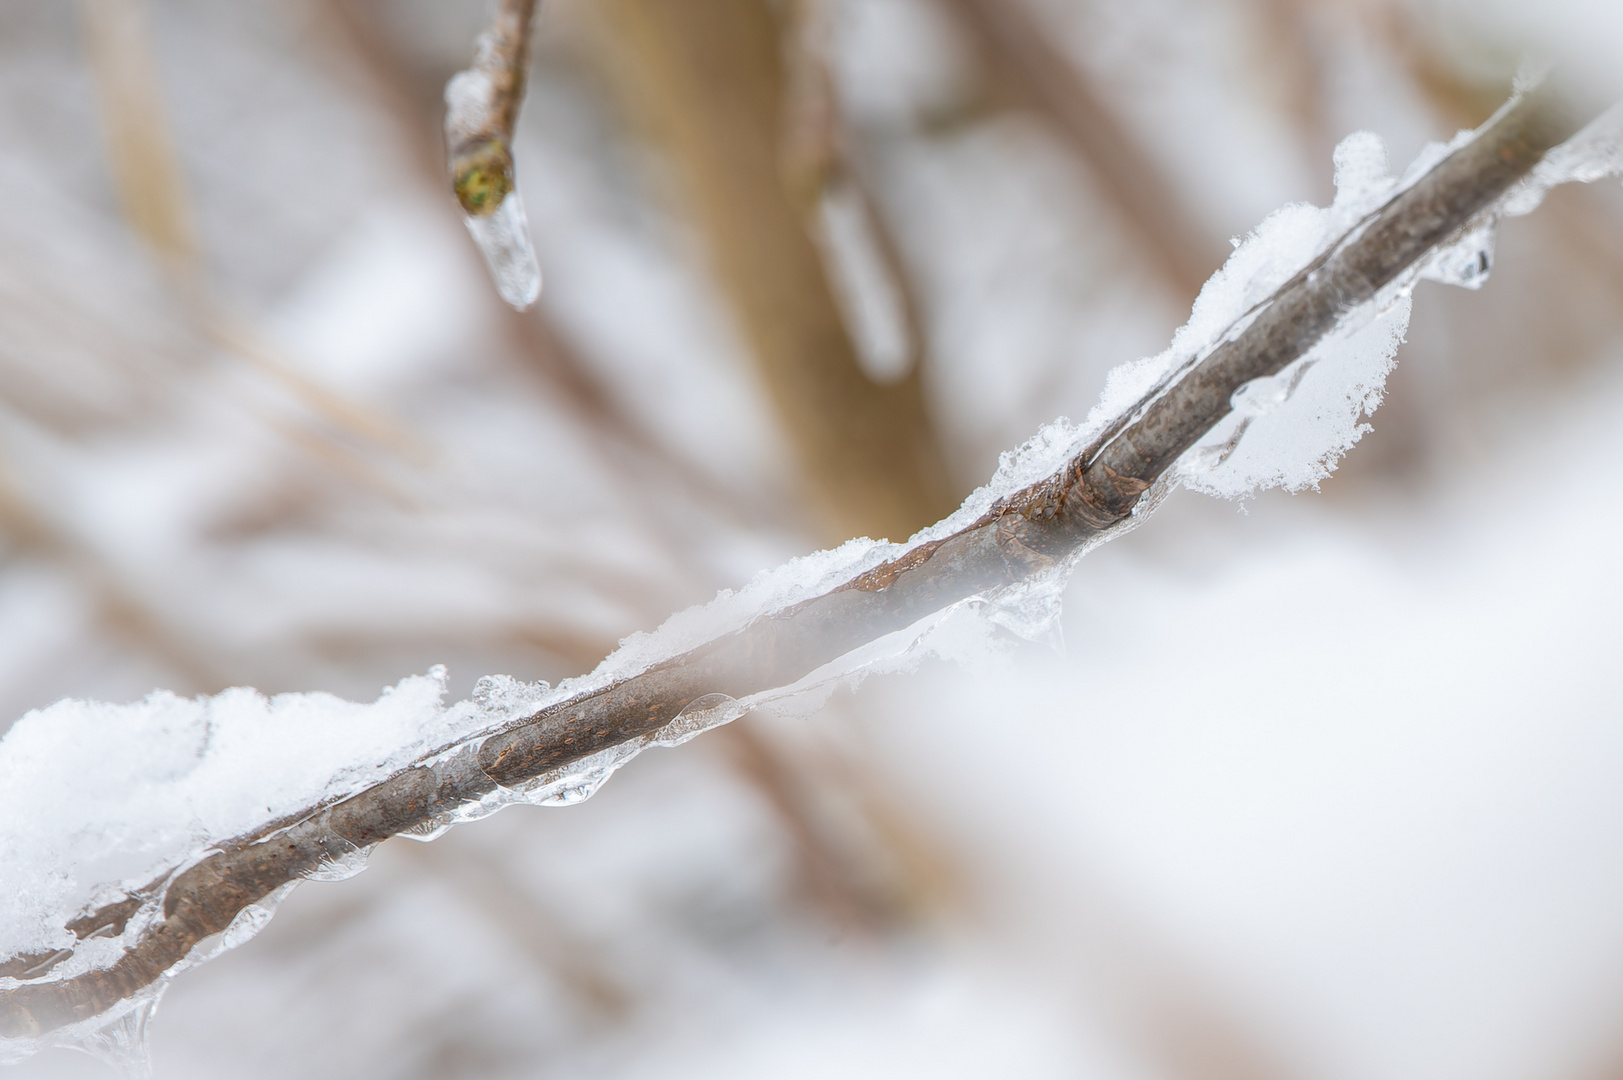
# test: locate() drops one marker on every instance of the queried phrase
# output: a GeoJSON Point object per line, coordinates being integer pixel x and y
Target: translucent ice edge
{"type": "Point", "coordinates": [1291, 430]}
{"type": "Point", "coordinates": [503, 238]}
{"type": "Point", "coordinates": [102, 800]}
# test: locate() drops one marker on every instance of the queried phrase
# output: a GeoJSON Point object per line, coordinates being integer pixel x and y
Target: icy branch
{"type": "Point", "coordinates": [481, 109]}
{"type": "Point", "coordinates": [831, 616]}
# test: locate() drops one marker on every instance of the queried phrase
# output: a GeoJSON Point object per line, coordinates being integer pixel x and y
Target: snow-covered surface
{"type": "Point", "coordinates": [168, 775]}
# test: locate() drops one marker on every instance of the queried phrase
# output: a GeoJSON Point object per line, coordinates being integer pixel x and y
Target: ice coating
{"type": "Point", "coordinates": [168, 775]}
{"type": "Point", "coordinates": [1292, 429]}
{"type": "Point", "coordinates": [104, 802]}
{"type": "Point", "coordinates": [502, 233]}
{"type": "Point", "coordinates": [123, 1042]}
{"type": "Point", "coordinates": [503, 238]}
{"type": "Point", "coordinates": [101, 801]}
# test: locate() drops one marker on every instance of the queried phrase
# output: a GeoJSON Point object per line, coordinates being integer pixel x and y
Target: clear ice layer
{"type": "Point", "coordinates": [503, 238]}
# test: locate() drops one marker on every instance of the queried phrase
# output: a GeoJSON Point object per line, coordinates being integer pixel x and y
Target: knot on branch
{"type": "Point", "coordinates": [1095, 496]}
{"type": "Point", "coordinates": [1102, 496]}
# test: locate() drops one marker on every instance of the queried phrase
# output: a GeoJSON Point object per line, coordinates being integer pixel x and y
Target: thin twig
{"type": "Point", "coordinates": [367, 53]}
{"type": "Point", "coordinates": [481, 124]}
{"type": "Point", "coordinates": [1023, 535]}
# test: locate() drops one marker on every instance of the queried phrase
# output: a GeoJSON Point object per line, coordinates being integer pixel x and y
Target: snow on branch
{"type": "Point", "coordinates": [204, 813]}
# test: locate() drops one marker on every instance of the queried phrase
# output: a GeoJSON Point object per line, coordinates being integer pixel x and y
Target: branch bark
{"type": "Point", "coordinates": [1021, 536]}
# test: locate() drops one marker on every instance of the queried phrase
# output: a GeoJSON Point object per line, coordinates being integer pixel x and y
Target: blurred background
{"type": "Point", "coordinates": [1320, 787]}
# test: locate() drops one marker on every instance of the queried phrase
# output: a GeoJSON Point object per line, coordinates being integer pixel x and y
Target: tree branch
{"type": "Point", "coordinates": [1022, 535]}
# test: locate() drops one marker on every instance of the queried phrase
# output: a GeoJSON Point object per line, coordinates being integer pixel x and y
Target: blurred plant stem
{"type": "Point", "coordinates": [706, 78]}
{"type": "Point", "coordinates": [150, 182]}
{"type": "Point", "coordinates": [1459, 96]}
{"type": "Point", "coordinates": [828, 180]}
{"type": "Point", "coordinates": [524, 918]}
{"type": "Point", "coordinates": [140, 148]}
{"type": "Point", "coordinates": [1027, 69]}
{"type": "Point", "coordinates": [866, 862]}
{"type": "Point", "coordinates": [1290, 56]}
{"type": "Point", "coordinates": [119, 604]}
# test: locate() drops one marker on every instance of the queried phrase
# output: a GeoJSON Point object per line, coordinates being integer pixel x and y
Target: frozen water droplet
{"type": "Point", "coordinates": [700, 715]}
{"type": "Point", "coordinates": [1206, 458]}
{"type": "Point", "coordinates": [1260, 396]}
{"type": "Point", "coordinates": [576, 781]}
{"type": "Point", "coordinates": [340, 860]}
{"type": "Point", "coordinates": [474, 809]}
{"type": "Point", "coordinates": [1032, 609]}
{"type": "Point", "coordinates": [243, 927]}
{"type": "Point", "coordinates": [248, 922]}
{"type": "Point", "coordinates": [577, 788]}
{"type": "Point", "coordinates": [504, 240]}
{"type": "Point", "coordinates": [1466, 262]}
{"type": "Point", "coordinates": [123, 1042]}
{"type": "Point", "coordinates": [431, 829]}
